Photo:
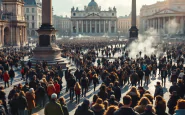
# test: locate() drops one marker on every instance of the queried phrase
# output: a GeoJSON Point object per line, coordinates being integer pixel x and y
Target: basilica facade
{"type": "Point", "coordinates": [166, 17]}
{"type": "Point", "coordinates": [13, 26]}
{"type": "Point", "coordinates": [93, 21]}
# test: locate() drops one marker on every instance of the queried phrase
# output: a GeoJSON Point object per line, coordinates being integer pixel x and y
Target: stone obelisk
{"type": "Point", "coordinates": [47, 49]}
{"type": "Point", "coordinates": [133, 30]}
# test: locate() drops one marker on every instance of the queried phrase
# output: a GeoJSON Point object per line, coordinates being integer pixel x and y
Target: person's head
{"type": "Point", "coordinates": [144, 101]}
{"type": "Point", "coordinates": [56, 82]}
{"type": "Point", "coordinates": [95, 97]}
{"type": "Point", "coordinates": [99, 101]}
{"type": "Point", "coordinates": [127, 100]}
{"type": "Point", "coordinates": [180, 81]}
{"type": "Point", "coordinates": [111, 110]}
{"type": "Point", "coordinates": [106, 104]}
{"type": "Point", "coordinates": [158, 83]}
{"type": "Point", "coordinates": [31, 90]}
{"type": "Point", "coordinates": [180, 104]}
{"type": "Point", "coordinates": [16, 95]}
{"type": "Point", "coordinates": [62, 100]}
{"type": "Point", "coordinates": [86, 103]}
{"type": "Point", "coordinates": [54, 96]}
{"type": "Point", "coordinates": [112, 97]}
{"type": "Point", "coordinates": [22, 93]}
{"type": "Point", "coordinates": [34, 77]}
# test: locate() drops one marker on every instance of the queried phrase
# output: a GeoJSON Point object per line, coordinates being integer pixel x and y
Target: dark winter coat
{"type": "Point", "coordinates": [22, 103]}
{"type": "Point", "coordinates": [53, 108]}
{"type": "Point", "coordinates": [98, 110]}
{"type": "Point", "coordinates": [135, 98]}
{"type": "Point", "coordinates": [158, 91]}
{"type": "Point", "coordinates": [148, 113]}
{"type": "Point", "coordinates": [103, 95]}
{"type": "Point", "coordinates": [117, 92]}
{"type": "Point", "coordinates": [172, 103]}
{"type": "Point", "coordinates": [125, 111]}
{"type": "Point", "coordinates": [84, 110]}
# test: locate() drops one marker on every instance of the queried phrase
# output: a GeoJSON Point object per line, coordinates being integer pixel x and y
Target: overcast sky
{"type": "Point", "coordinates": [63, 7]}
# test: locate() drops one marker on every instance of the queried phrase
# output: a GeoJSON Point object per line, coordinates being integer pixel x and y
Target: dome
{"type": "Point", "coordinates": [93, 3]}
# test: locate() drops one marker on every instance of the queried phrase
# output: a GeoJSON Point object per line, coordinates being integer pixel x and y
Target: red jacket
{"type": "Point", "coordinates": [51, 89]}
{"type": "Point", "coordinates": [6, 77]}
{"type": "Point", "coordinates": [57, 87]}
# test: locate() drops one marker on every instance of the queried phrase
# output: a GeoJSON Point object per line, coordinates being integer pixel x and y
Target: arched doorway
{"type": "Point", "coordinates": [7, 36]}
{"type": "Point", "coordinates": [32, 33]}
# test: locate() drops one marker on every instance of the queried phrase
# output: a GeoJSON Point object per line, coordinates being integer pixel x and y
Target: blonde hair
{"type": "Point", "coordinates": [180, 104]}
{"type": "Point", "coordinates": [111, 110]}
{"type": "Point", "coordinates": [144, 101]}
{"type": "Point", "coordinates": [77, 86]}
{"type": "Point", "coordinates": [133, 89]}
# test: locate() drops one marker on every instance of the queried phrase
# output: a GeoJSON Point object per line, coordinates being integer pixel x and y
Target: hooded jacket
{"type": "Point", "coordinates": [83, 110]}
{"type": "Point", "coordinates": [98, 109]}
{"type": "Point", "coordinates": [125, 111]}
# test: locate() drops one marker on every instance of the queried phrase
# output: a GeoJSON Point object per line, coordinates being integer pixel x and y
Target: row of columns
{"type": "Point", "coordinates": [97, 25]}
{"type": "Point", "coordinates": [18, 35]}
{"type": "Point", "coordinates": [161, 23]}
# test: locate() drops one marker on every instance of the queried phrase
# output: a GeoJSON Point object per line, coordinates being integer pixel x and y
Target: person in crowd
{"type": "Point", "coordinates": [172, 102]}
{"type": "Point", "coordinates": [2, 110]}
{"type": "Point", "coordinates": [84, 109]}
{"type": "Point", "coordinates": [13, 104]}
{"type": "Point", "coordinates": [95, 81]}
{"type": "Point", "coordinates": [112, 100]}
{"type": "Point", "coordinates": [106, 104]}
{"type": "Point", "coordinates": [22, 103]}
{"type": "Point", "coordinates": [50, 89]}
{"type": "Point", "coordinates": [6, 78]}
{"type": "Point", "coordinates": [26, 87]}
{"type": "Point", "coordinates": [98, 107]}
{"type": "Point", "coordinates": [57, 88]}
{"type": "Point", "coordinates": [143, 102]}
{"type": "Point", "coordinates": [126, 109]}
{"type": "Point", "coordinates": [148, 110]}
{"type": "Point", "coordinates": [158, 90]}
{"type": "Point", "coordinates": [103, 93]}
{"type": "Point", "coordinates": [63, 105]}
{"type": "Point", "coordinates": [77, 89]}
{"type": "Point", "coordinates": [12, 75]}
{"type": "Point", "coordinates": [180, 107]}
{"type": "Point", "coordinates": [3, 98]}
{"type": "Point", "coordinates": [174, 87]}
{"type": "Point", "coordinates": [53, 107]}
{"type": "Point", "coordinates": [30, 97]}
{"type": "Point", "coordinates": [135, 95]}
{"type": "Point", "coordinates": [164, 74]}
{"type": "Point", "coordinates": [40, 95]}
{"type": "Point", "coordinates": [34, 82]}
{"type": "Point", "coordinates": [149, 96]}
{"type": "Point", "coordinates": [71, 83]}
{"type": "Point", "coordinates": [95, 97]}
{"type": "Point", "coordinates": [12, 92]}
{"type": "Point", "coordinates": [181, 86]}
{"type": "Point", "coordinates": [84, 84]}
{"type": "Point", "coordinates": [140, 75]}
{"type": "Point", "coordinates": [117, 91]}
{"type": "Point", "coordinates": [111, 109]}
{"type": "Point", "coordinates": [160, 105]}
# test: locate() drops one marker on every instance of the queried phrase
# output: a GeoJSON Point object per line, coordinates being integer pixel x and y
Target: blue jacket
{"type": "Point", "coordinates": [180, 112]}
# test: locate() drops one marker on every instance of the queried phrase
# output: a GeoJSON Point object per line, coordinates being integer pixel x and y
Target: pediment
{"type": "Point", "coordinates": [167, 11]}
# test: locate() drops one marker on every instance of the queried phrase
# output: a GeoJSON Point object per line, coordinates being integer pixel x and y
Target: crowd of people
{"type": "Point", "coordinates": [43, 83]}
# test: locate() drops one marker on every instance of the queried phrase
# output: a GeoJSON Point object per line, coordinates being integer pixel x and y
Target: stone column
{"type": "Point", "coordinates": [47, 12]}
{"type": "Point", "coordinates": [26, 40]}
{"type": "Point", "coordinates": [115, 27]}
{"type": "Point", "coordinates": [86, 27]}
{"type": "Point", "coordinates": [159, 25]}
{"type": "Point", "coordinates": [95, 27]}
{"type": "Point", "coordinates": [77, 28]}
{"type": "Point", "coordinates": [71, 26]}
{"type": "Point", "coordinates": [82, 27]}
{"type": "Point", "coordinates": [104, 26]}
{"type": "Point", "coordinates": [2, 31]}
{"type": "Point", "coordinates": [90, 26]}
{"type": "Point", "coordinates": [109, 26]}
{"type": "Point", "coordinates": [133, 12]}
{"type": "Point", "coordinates": [99, 26]}
{"type": "Point", "coordinates": [154, 23]}
{"type": "Point", "coordinates": [148, 24]}
{"type": "Point", "coordinates": [164, 24]}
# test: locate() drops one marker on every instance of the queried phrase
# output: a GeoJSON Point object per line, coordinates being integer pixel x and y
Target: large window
{"type": "Point", "coordinates": [33, 25]}
{"type": "Point", "coordinates": [27, 17]}
{"type": "Point", "coordinates": [27, 10]}
{"type": "Point", "coordinates": [33, 10]}
{"type": "Point", "coordinates": [32, 17]}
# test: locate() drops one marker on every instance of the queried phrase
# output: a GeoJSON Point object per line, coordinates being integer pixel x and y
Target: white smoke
{"type": "Point", "coordinates": [146, 44]}
{"type": "Point", "coordinates": [172, 27]}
